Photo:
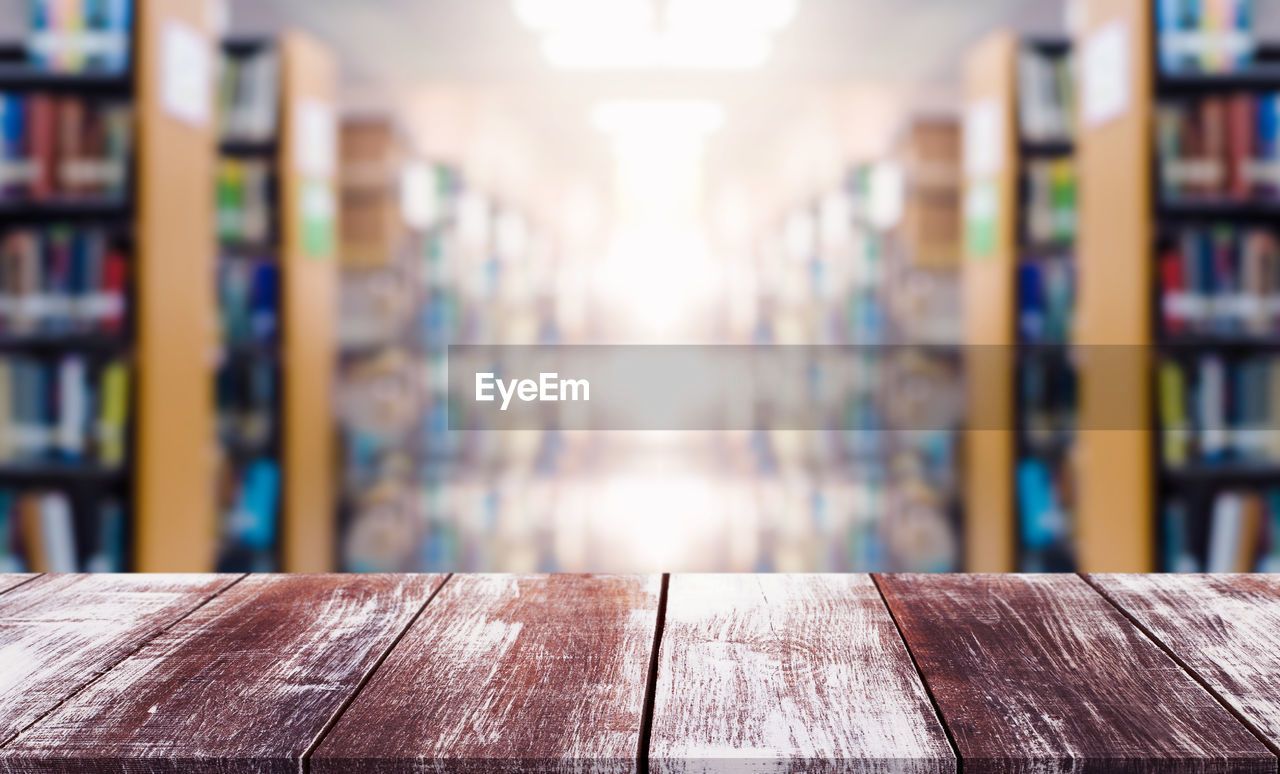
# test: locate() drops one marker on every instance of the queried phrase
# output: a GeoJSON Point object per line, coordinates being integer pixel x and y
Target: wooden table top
{"type": "Point", "coordinates": [684, 673]}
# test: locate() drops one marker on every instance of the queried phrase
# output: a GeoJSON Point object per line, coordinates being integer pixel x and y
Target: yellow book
{"type": "Point", "coordinates": [1173, 413]}
{"type": "Point", "coordinates": [114, 415]}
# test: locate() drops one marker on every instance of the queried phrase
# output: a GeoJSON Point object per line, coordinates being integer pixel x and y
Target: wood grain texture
{"type": "Point", "coordinates": [309, 308]}
{"type": "Point", "coordinates": [1040, 673]}
{"type": "Point", "coordinates": [245, 684]}
{"type": "Point", "coordinates": [508, 673]}
{"type": "Point", "coordinates": [990, 320]}
{"type": "Point", "coordinates": [13, 580]}
{"type": "Point", "coordinates": [1114, 271]}
{"type": "Point", "coordinates": [60, 632]}
{"type": "Point", "coordinates": [175, 527]}
{"type": "Point", "coordinates": [788, 673]}
{"type": "Point", "coordinates": [1224, 628]}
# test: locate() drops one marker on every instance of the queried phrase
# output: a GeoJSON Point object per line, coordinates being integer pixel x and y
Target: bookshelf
{"type": "Point", "coordinates": [853, 272]}
{"type": "Point", "coordinates": [106, 337]}
{"type": "Point", "coordinates": [387, 200]}
{"type": "Point", "coordinates": [277, 231]}
{"type": "Point", "coordinates": [1176, 244]}
{"type": "Point", "coordinates": [921, 290]}
{"type": "Point", "coordinates": [1019, 306]}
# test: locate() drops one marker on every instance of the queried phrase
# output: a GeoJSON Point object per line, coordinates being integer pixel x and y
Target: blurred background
{"type": "Point", "coordinates": [236, 239]}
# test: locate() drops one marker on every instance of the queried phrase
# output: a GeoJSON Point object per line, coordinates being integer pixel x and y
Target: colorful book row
{"type": "Point", "coordinates": [1219, 148]}
{"type": "Point", "coordinates": [1215, 410]}
{"type": "Point", "coordinates": [39, 533]}
{"type": "Point", "coordinates": [62, 280]}
{"type": "Point", "coordinates": [63, 147]}
{"type": "Point", "coordinates": [63, 410]}
{"type": "Point", "coordinates": [1220, 281]}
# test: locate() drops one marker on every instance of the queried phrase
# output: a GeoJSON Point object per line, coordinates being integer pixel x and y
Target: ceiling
{"type": "Point", "coordinates": [399, 41]}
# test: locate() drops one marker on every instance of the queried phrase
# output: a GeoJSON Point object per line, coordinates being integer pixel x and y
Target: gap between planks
{"type": "Point", "coordinates": [159, 631]}
{"type": "Point", "coordinates": [924, 681]}
{"type": "Point", "coordinates": [304, 761]}
{"type": "Point", "coordinates": [23, 582]}
{"type": "Point", "coordinates": [1183, 665]}
{"type": "Point", "coordinates": [651, 686]}
{"type": "Point", "coordinates": [646, 721]}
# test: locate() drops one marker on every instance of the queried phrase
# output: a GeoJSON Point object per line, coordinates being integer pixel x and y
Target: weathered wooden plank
{"type": "Point", "coordinates": [1224, 628]}
{"type": "Point", "coordinates": [60, 632]}
{"type": "Point", "coordinates": [247, 683]}
{"type": "Point", "coordinates": [508, 674]}
{"type": "Point", "coordinates": [788, 673]}
{"type": "Point", "coordinates": [14, 579]}
{"type": "Point", "coordinates": [1040, 673]}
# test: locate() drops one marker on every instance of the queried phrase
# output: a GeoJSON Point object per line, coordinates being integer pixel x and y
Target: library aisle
{"type": "Point", "coordinates": [1004, 275]}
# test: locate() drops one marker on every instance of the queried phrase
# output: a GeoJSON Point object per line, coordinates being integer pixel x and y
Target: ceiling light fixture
{"type": "Point", "coordinates": [656, 34]}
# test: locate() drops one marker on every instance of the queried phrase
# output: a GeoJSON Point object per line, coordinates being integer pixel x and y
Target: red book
{"type": "Point", "coordinates": [70, 154]}
{"type": "Point", "coordinates": [1173, 287]}
{"type": "Point", "coordinates": [1241, 123]}
{"type": "Point", "coordinates": [1213, 117]}
{"type": "Point", "coordinates": [41, 144]}
{"type": "Point", "coordinates": [114, 277]}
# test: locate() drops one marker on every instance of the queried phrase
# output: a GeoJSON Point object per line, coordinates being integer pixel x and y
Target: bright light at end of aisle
{"type": "Point", "coordinates": [658, 274]}
{"type": "Point", "coordinates": [656, 34]}
{"type": "Point", "coordinates": [693, 119]}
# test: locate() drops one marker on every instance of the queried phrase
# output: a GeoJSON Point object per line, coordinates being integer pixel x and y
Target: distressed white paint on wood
{"type": "Point", "coordinates": [13, 580]}
{"type": "Point", "coordinates": [1225, 628]}
{"type": "Point", "coordinates": [1039, 673]}
{"type": "Point", "coordinates": [788, 673]}
{"type": "Point", "coordinates": [508, 674]}
{"type": "Point", "coordinates": [244, 684]}
{"type": "Point", "coordinates": [60, 632]}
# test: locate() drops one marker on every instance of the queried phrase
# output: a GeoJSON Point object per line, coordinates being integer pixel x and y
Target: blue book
{"type": "Point", "coordinates": [1031, 305]}
{"type": "Point", "coordinates": [1268, 129]}
{"type": "Point", "coordinates": [264, 301]}
{"type": "Point", "coordinates": [260, 498]}
{"type": "Point", "coordinates": [1040, 516]}
{"type": "Point", "coordinates": [1169, 22]}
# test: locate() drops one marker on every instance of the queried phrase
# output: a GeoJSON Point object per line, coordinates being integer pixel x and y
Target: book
{"type": "Point", "coordinates": [113, 419]}
{"type": "Point", "coordinates": [249, 301]}
{"type": "Point", "coordinates": [247, 395]}
{"type": "Point", "coordinates": [250, 501]}
{"type": "Point", "coordinates": [1219, 147]}
{"type": "Point", "coordinates": [1226, 525]}
{"type": "Point", "coordinates": [243, 197]}
{"type": "Point", "coordinates": [79, 35]}
{"type": "Point", "coordinates": [1173, 416]}
{"type": "Point", "coordinates": [109, 552]}
{"type": "Point", "coordinates": [1215, 410]}
{"type": "Point", "coordinates": [1205, 35]}
{"type": "Point", "coordinates": [1050, 206]}
{"type": "Point", "coordinates": [47, 532]}
{"type": "Point", "coordinates": [1046, 95]}
{"type": "Point", "coordinates": [1178, 554]}
{"type": "Point", "coordinates": [64, 147]}
{"type": "Point", "coordinates": [1220, 280]}
{"type": "Point", "coordinates": [11, 559]}
{"type": "Point", "coordinates": [248, 95]}
{"type": "Point", "coordinates": [47, 410]}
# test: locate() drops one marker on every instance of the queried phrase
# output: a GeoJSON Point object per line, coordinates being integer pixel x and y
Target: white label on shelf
{"type": "Point", "coordinates": [1185, 305]}
{"type": "Point", "coordinates": [983, 139]}
{"type": "Point", "coordinates": [315, 139]}
{"type": "Point", "coordinates": [1105, 74]}
{"type": "Point", "coordinates": [418, 204]}
{"type": "Point", "coordinates": [96, 306]}
{"type": "Point", "coordinates": [186, 74]}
